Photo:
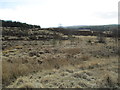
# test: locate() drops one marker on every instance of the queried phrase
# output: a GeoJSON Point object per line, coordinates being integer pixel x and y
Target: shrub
{"type": "Point", "coordinates": [101, 38]}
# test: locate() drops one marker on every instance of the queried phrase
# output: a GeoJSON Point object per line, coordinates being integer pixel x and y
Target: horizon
{"type": "Point", "coordinates": [63, 26]}
{"type": "Point", "coordinates": [55, 13]}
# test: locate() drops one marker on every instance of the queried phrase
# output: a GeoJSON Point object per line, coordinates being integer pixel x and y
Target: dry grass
{"type": "Point", "coordinates": [85, 57]}
{"type": "Point", "coordinates": [26, 85]}
{"type": "Point", "coordinates": [13, 70]}
{"type": "Point", "coordinates": [71, 51]}
{"type": "Point", "coordinates": [108, 80]}
{"type": "Point", "coordinates": [54, 62]}
{"type": "Point", "coordinates": [17, 67]}
{"type": "Point", "coordinates": [47, 57]}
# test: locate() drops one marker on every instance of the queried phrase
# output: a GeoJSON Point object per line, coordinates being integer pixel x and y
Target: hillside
{"type": "Point", "coordinates": [10, 23]}
{"type": "Point", "coordinates": [94, 28]}
{"type": "Point", "coordinates": [13, 30]}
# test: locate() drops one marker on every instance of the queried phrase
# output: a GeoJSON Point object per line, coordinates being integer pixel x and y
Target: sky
{"type": "Point", "coordinates": [54, 13]}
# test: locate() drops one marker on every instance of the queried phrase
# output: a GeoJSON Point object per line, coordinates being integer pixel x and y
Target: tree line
{"type": "Point", "coordinates": [18, 24]}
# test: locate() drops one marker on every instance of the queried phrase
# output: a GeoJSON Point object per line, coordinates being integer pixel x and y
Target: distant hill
{"type": "Point", "coordinates": [13, 30]}
{"type": "Point", "coordinates": [17, 24]}
{"type": "Point", "coordinates": [94, 27]}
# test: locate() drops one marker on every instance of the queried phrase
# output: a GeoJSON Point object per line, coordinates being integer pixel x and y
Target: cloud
{"type": "Point", "coordinates": [107, 15]}
{"type": "Point", "coordinates": [49, 13]}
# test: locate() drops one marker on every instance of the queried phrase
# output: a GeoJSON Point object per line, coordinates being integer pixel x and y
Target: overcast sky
{"type": "Point", "coordinates": [52, 13]}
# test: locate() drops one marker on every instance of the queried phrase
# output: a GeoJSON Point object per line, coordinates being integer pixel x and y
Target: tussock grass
{"type": "Point", "coordinates": [26, 85]}
{"type": "Point", "coordinates": [21, 66]}
{"type": "Point", "coordinates": [85, 57]}
{"type": "Point", "coordinates": [71, 51]}
{"type": "Point", "coordinates": [108, 81]}
{"type": "Point", "coordinates": [13, 70]}
{"type": "Point", "coordinates": [32, 58]}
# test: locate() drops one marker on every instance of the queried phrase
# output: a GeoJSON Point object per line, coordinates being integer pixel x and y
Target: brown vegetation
{"type": "Point", "coordinates": [77, 64]}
